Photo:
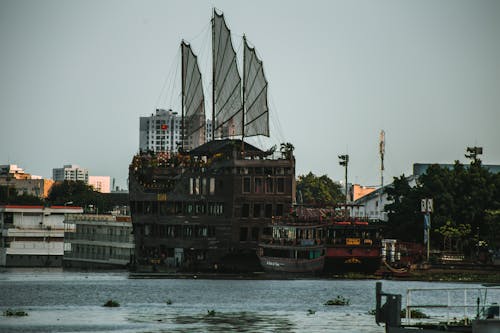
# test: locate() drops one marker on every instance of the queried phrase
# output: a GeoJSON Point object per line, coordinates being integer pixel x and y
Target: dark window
{"type": "Point", "coordinates": [245, 210]}
{"type": "Point", "coordinates": [258, 185]}
{"type": "Point", "coordinates": [269, 185]}
{"type": "Point", "coordinates": [279, 210]}
{"type": "Point", "coordinates": [269, 210]}
{"type": "Point", "coordinates": [280, 185]}
{"type": "Point", "coordinates": [255, 233]}
{"type": "Point", "coordinates": [257, 210]}
{"type": "Point", "coordinates": [243, 234]}
{"type": "Point", "coordinates": [246, 185]}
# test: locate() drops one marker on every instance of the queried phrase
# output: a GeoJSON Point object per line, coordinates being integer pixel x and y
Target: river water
{"type": "Point", "coordinates": [60, 301]}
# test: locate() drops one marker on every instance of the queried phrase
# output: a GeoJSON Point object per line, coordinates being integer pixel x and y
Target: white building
{"type": "Point", "coordinates": [373, 204]}
{"type": "Point", "coordinates": [98, 241]}
{"type": "Point", "coordinates": [162, 132]}
{"type": "Point", "coordinates": [33, 236]}
{"type": "Point", "coordinates": [100, 183]}
{"type": "Point", "coordinates": [70, 172]}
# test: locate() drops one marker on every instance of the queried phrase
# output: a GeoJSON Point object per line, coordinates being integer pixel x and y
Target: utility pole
{"type": "Point", "coordinates": [344, 161]}
{"type": "Point", "coordinates": [382, 153]}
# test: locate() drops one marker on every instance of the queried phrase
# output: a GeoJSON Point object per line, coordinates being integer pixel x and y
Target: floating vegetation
{"type": "Point", "coordinates": [111, 304]}
{"type": "Point", "coordinates": [340, 300]}
{"type": "Point", "coordinates": [311, 312]}
{"type": "Point", "coordinates": [210, 313]}
{"type": "Point", "coordinates": [417, 314]}
{"type": "Point", "coordinates": [15, 313]}
{"type": "Point", "coordinates": [168, 301]}
{"type": "Point", "coordinates": [243, 322]}
{"type": "Point", "coordinates": [372, 312]}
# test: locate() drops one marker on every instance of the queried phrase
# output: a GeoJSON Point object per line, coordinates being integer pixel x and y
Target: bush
{"type": "Point", "coordinates": [340, 300]}
{"type": "Point", "coordinates": [111, 304]}
{"type": "Point", "coordinates": [14, 313]}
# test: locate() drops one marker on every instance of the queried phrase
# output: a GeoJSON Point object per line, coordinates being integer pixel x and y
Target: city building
{"type": "Point", "coordinates": [70, 172]}
{"type": "Point", "coordinates": [100, 183]}
{"type": "Point", "coordinates": [97, 241]}
{"type": "Point", "coordinates": [32, 236]}
{"type": "Point", "coordinates": [14, 172]}
{"type": "Point", "coordinates": [24, 183]}
{"type": "Point", "coordinates": [162, 132]}
{"type": "Point", "coordinates": [372, 204]}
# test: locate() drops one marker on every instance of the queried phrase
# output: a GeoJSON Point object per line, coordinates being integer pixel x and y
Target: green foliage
{"type": "Point", "coordinates": [340, 300]}
{"type": "Point", "coordinates": [9, 195]}
{"type": "Point", "coordinates": [453, 233]}
{"type": "Point", "coordinates": [415, 313]}
{"type": "Point", "coordinates": [405, 223]}
{"type": "Point", "coordinates": [81, 194]}
{"type": "Point", "coordinates": [111, 304]}
{"type": "Point", "coordinates": [14, 313]}
{"type": "Point", "coordinates": [319, 191]}
{"type": "Point", "coordinates": [465, 199]}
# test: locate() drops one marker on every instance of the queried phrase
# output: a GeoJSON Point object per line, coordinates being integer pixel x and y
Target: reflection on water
{"type": "Point", "coordinates": [60, 301]}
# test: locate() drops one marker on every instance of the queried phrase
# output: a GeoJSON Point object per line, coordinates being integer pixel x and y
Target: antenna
{"type": "Point", "coordinates": [382, 152]}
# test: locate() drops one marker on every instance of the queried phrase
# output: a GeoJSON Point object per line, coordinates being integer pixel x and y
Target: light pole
{"type": "Point", "coordinates": [344, 161]}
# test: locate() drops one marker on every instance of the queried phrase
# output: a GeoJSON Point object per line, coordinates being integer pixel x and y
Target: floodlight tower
{"type": "Point", "coordinates": [382, 153]}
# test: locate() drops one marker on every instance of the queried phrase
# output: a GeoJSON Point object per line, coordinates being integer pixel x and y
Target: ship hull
{"type": "Point", "coordinates": [287, 265]}
{"type": "Point", "coordinates": [352, 259]}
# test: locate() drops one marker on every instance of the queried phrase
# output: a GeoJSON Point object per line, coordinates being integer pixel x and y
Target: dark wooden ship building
{"type": "Point", "coordinates": [206, 210]}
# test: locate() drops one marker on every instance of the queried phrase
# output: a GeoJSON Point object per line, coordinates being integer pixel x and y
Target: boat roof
{"type": "Point", "coordinates": [224, 145]}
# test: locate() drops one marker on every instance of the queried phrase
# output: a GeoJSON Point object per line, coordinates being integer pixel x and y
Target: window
{"type": "Point", "coordinates": [255, 233]}
{"type": "Point", "coordinates": [243, 234]}
{"type": "Point", "coordinates": [269, 185]}
{"type": "Point", "coordinates": [257, 210]}
{"type": "Point", "coordinates": [212, 185]}
{"type": "Point", "coordinates": [279, 210]}
{"type": "Point", "coordinates": [246, 185]}
{"type": "Point", "coordinates": [280, 185]}
{"type": "Point", "coordinates": [269, 210]}
{"type": "Point", "coordinates": [258, 185]}
{"type": "Point", "coordinates": [245, 210]}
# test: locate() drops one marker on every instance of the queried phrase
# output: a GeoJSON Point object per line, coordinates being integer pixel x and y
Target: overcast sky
{"type": "Point", "coordinates": [75, 76]}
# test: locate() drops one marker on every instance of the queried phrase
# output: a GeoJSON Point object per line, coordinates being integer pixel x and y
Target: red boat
{"type": "Point", "coordinates": [352, 246]}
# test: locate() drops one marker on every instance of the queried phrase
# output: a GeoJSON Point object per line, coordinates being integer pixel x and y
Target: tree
{"type": "Point", "coordinates": [465, 199]}
{"type": "Point", "coordinates": [454, 235]}
{"type": "Point", "coordinates": [81, 194]}
{"type": "Point", "coordinates": [9, 195]}
{"type": "Point", "coordinates": [405, 221]}
{"type": "Point", "coordinates": [318, 191]}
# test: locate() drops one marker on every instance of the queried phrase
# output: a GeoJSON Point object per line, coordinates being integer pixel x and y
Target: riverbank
{"type": "Point", "coordinates": [429, 275]}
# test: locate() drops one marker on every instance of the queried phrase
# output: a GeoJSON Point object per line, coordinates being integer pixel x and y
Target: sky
{"type": "Point", "coordinates": [75, 76]}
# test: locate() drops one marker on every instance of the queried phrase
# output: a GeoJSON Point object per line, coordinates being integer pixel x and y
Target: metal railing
{"type": "Point", "coordinates": [454, 304]}
{"type": "Point", "coordinates": [98, 237]}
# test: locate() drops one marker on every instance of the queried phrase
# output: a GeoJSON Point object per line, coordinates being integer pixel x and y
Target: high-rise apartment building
{"type": "Point", "coordinates": [162, 132]}
{"type": "Point", "coordinates": [71, 172]}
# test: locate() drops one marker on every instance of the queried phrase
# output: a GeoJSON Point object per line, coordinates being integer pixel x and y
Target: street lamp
{"type": "Point", "coordinates": [344, 161]}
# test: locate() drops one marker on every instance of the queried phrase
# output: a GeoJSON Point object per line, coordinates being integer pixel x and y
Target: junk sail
{"type": "Point", "coordinates": [254, 94]}
{"type": "Point", "coordinates": [227, 104]}
{"type": "Point", "coordinates": [193, 101]}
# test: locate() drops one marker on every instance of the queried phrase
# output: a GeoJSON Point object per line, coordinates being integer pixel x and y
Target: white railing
{"type": "Point", "coordinates": [457, 301]}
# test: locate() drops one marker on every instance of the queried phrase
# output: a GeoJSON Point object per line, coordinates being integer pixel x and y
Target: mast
{"type": "Point", "coordinates": [183, 95]}
{"type": "Point", "coordinates": [213, 75]}
{"type": "Point", "coordinates": [243, 97]}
